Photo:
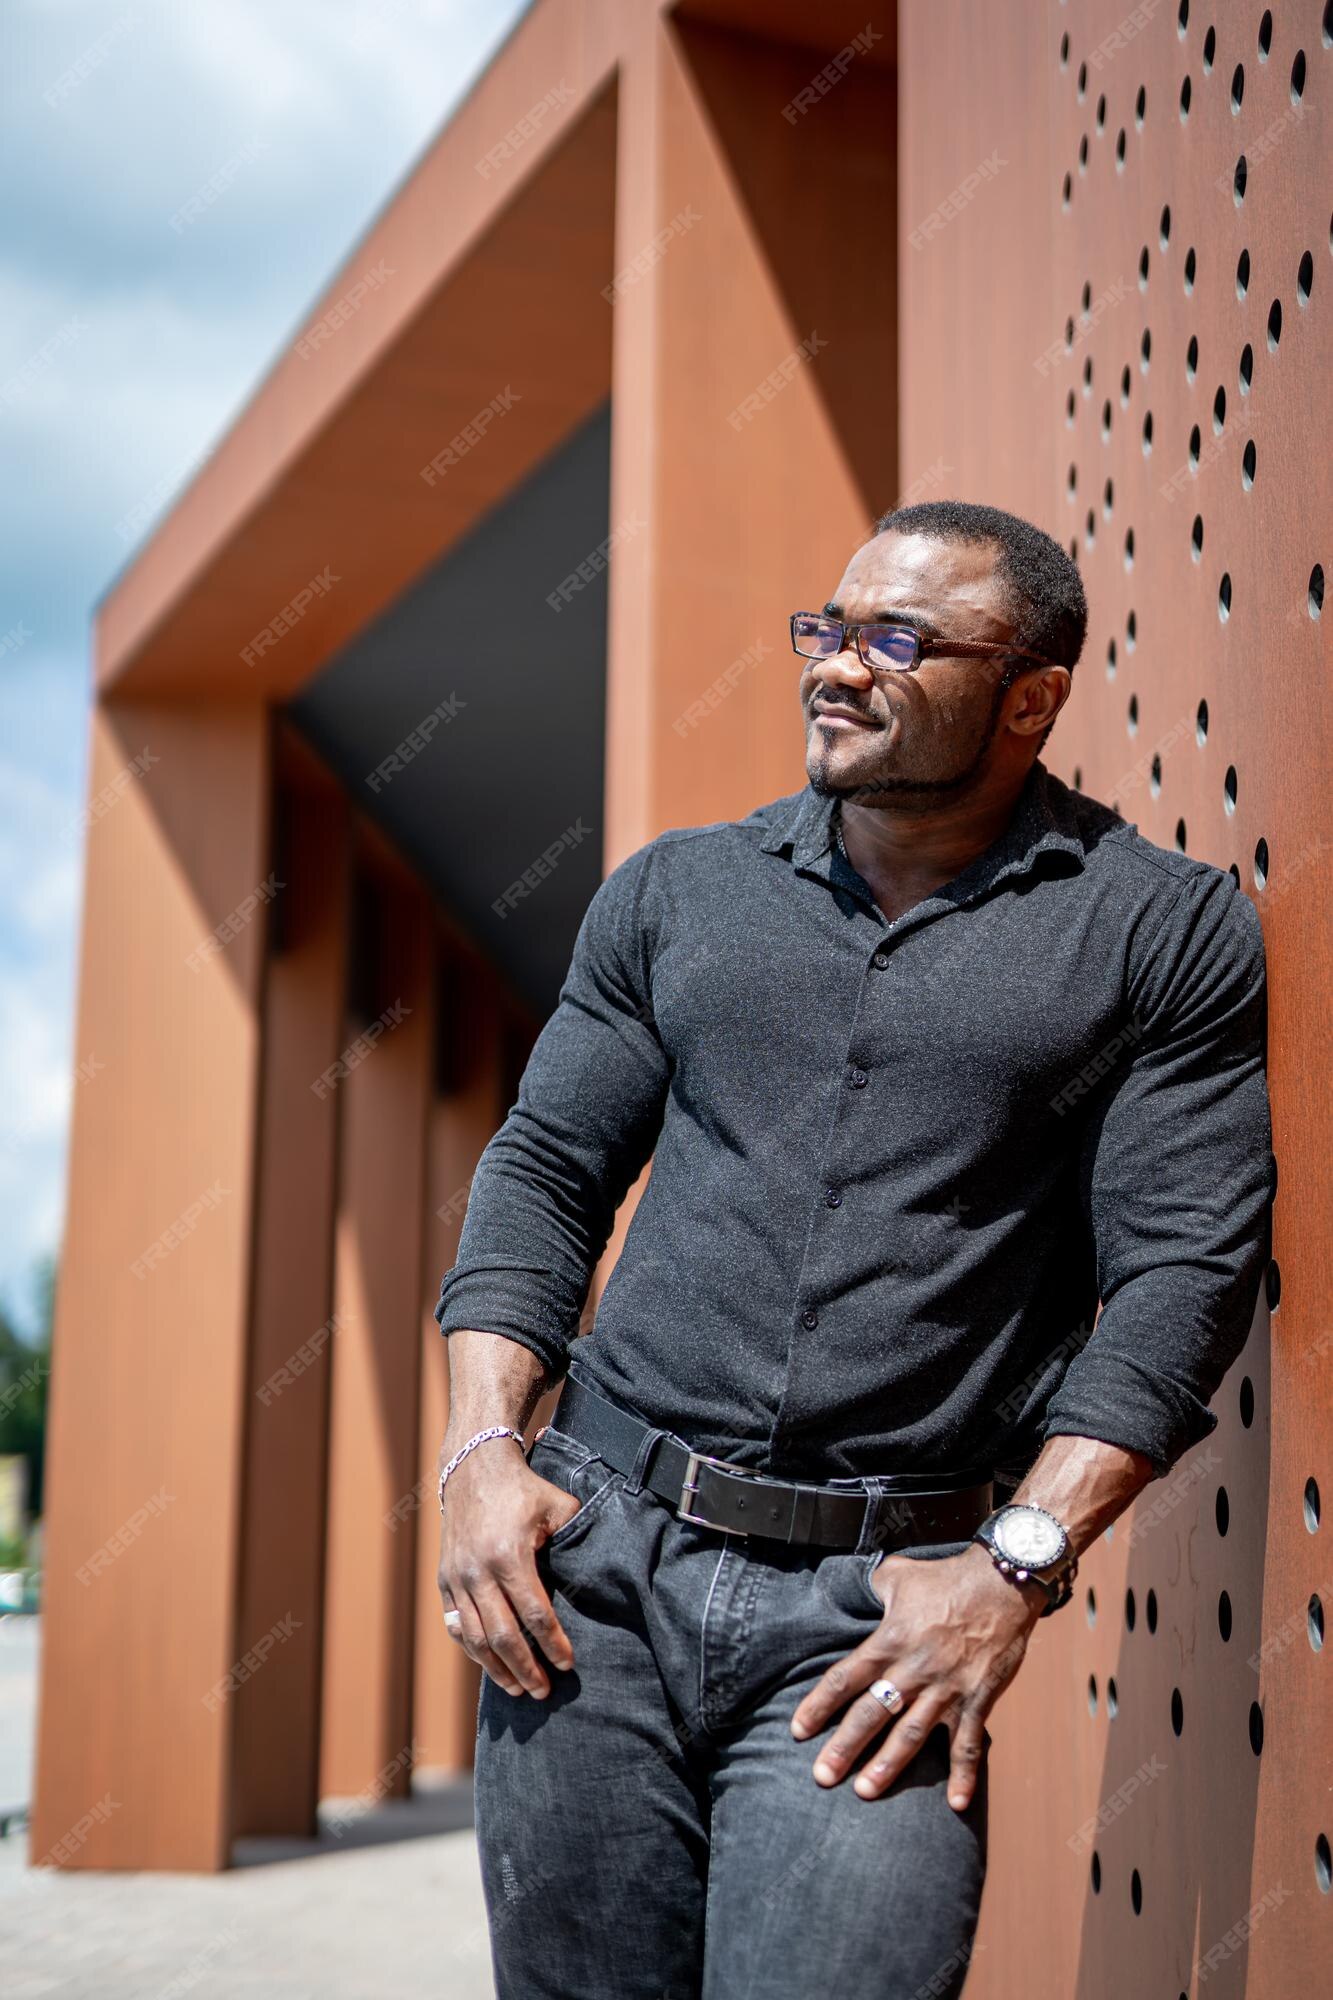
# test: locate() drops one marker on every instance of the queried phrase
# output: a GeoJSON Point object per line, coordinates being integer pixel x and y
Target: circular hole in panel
{"type": "Point", "coordinates": [1237, 88]}
{"type": "Point", "coordinates": [1314, 592]}
{"type": "Point", "coordinates": [1314, 1624]}
{"type": "Point", "coordinates": [1229, 789]}
{"type": "Point", "coordinates": [1184, 100]}
{"type": "Point", "coordinates": [1181, 836]}
{"type": "Point", "coordinates": [1191, 267]}
{"type": "Point", "coordinates": [1256, 1728]}
{"type": "Point", "coordinates": [1274, 325]}
{"type": "Point", "coordinates": [1242, 274]}
{"type": "Point", "coordinates": [1130, 1612]}
{"type": "Point", "coordinates": [1129, 564]}
{"type": "Point", "coordinates": [1147, 433]}
{"type": "Point", "coordinates": [1196, 539]}
{"type": "Point", "coordinates": [1083, 154]}
{"type": "Point", "coordinates": [1182, 18]}
{"type": "Point", "coordinates": [1087, 295]}
{"type": "Point", "coordinates": [1106, 421]}
{"type": "Point", "coordinates": [1265, 34]}
{"type": "Point", "coordinates": [1112, 1698]}
{"type": "Point", "coordinates": [1201, 724]}
{"type": "Point", "coordinates": [1131, 631]}
{"type": "Point", "coordinates": [1192, 358]}
{"type": "Point", "coordinates": [1209, 50]}
{"type": "Point", "coordinates": [1136, 1891]}
{"type": "Point", "coordinates": [1071, 405]}
{"type": "Point", "coordinates": [1133, 715]}
{"type": "Point", "coordinates": [1164, 227]}
{"type": "Point", "coordinates": [1304, 279]}
{"type": "Point", "coordinates": [1224, 1617]}
{"type": "Point", "coordinates": [1067, 190]}
{"type": "Point", "coordinates": [1087, 376]}
{"type": "Point", "coordinates": [1096, 1873]}
{"type": "Point", "coordinates": [1125, 380]}
{"type": "Point", "coordinates": [1101, 114]}
{"type": "Point", "coordinates": [1245, 1401]}
{"type": "Point", "coordinates": [1120, 151]}
{"type": "Point", "coordinates": [1238, 181]}
{"type": "Point", "coordinates": [1143, 269]}
{"type": "Point", "coordinates": [1219, 410]}
{"type": "Point", "coordinates": [1323, 1863]}
{"type": "Point", "coordinates": [1194, 443]}
{"type": "Point", "coordinates": [1064, 51]}
{"type": "Point", "coordinates": [1072, 481]}
{"type": "Point", "coordinates": [1110, 660]}
{"type": "Point", "coordinates": [1108, 499]}
{"type": "Point", "coordinates": [1310, 1504]}
{"type": "Point", "coordinates": [1249, 461]}
{"type": "Point", "coordinates": [1177, 1711]}
{"type": "Point", "coordinates": [1082, 81]}
{"type": "Point", "coordinates": [1260, 864]}
{"type": "Point", "coordinates": [1140, 106]}
{"type": "Point", "coordinates": [1224, 597]}
{"type": "Point", "coordinates": [1145, 350]}
{"type": "Point", "coordinates": [1246, 371]}
{"type": "Point", "coordinates": [1273, 1284]}
{"type": "Point", "coordinates": [1298, 77]}
{"type": "Point", "coordinates": [1091, 1595]}
{"type": "Point", "coordinates": [1150, 1609]}
{"type": "Point", "coordinates": [1092, 1694]}
{"type": "Point", "coordinates": [1222, 1510]}
{"type": "Point", "coordinates": [1155, 778]}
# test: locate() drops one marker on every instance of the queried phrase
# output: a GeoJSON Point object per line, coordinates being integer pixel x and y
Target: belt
{"type": "Point", "coordinates": [714, 1493]}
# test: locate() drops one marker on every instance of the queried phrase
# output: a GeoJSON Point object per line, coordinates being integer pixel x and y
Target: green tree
{"type": "Point", "coordinates": [25, 1371]}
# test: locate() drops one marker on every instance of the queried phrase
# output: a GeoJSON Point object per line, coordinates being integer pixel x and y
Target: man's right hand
{"type": "Point", "coordinates": [497, 1514]}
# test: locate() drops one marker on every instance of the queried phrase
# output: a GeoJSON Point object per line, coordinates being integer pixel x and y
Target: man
{"type": "Point", "coordinates": [930, 1058]}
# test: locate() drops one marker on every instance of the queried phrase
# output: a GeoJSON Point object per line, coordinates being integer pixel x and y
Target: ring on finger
{"type": "Point", "coordinates": [888, 1696]}
{"type": "Point", "coordinates": [453, 1625]}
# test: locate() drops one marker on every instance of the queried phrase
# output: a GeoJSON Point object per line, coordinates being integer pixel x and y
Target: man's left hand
{"type": "Point", "coordinates": [953, 1636]}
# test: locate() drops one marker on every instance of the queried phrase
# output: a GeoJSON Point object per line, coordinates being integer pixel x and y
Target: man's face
{"type": "Point", "coordinates": [905, 738]}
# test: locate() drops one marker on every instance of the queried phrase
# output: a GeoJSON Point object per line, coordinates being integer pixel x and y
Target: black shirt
{"type": "Point", "coordinates": [895, 1166]}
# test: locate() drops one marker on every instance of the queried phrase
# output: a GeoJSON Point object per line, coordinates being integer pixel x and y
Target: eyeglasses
{"type": "Point", "coordinates": [897, 648]}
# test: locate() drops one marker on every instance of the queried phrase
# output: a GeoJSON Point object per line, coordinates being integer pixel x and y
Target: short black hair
{"type": "Point", "coordinates": [1048, 605]}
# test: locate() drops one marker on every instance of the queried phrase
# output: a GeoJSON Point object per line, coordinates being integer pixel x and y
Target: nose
{"type": "Point", "coordinates": [845, 669]}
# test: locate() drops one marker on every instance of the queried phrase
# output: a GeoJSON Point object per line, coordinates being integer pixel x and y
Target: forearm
{"type": "Point", "coordinates": [1086, 1484]}
{"type": "Point", "coordinates": [492, 1380]}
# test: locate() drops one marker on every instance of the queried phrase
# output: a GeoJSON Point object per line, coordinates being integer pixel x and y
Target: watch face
{"type": "Point", "coordinates": [1027, 1536]}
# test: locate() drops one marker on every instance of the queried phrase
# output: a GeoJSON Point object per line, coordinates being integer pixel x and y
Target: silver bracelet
{"type": "Point", "coordinates": [495, 1431]}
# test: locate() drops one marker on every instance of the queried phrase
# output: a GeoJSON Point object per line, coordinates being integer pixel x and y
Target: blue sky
{"type": "Point", "coordinates": [126, 349]}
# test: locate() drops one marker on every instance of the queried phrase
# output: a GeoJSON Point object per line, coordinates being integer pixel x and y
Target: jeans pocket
{"type": "Point", "coordinates": [865, 1569]}
{"type": "Point", "coordinates": [577, 1470]}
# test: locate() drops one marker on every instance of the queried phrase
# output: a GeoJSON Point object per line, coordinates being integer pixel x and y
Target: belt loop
{"type": "Point", "coordinates": [642, 1458]}
{"type": "Point", "coordinates": [869, 1526]}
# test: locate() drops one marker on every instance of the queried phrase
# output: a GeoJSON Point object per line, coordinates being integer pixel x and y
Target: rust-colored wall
{"type": "Point", "coordinates": [995, 344]}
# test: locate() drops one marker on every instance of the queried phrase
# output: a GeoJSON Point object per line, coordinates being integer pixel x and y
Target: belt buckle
{"type": "Point", "coordinates": [690, 1485]}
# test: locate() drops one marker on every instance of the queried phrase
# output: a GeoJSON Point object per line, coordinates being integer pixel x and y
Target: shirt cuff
{"type": "Point", "coordinates": [475, 1301]}
{"type": "Point", "coordinates": [1118, 1403]}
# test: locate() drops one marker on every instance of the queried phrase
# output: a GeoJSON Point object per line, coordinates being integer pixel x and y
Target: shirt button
{"type": "Point", "coordinates": [880, 960]}
{"type": "Point", "coordinates": [857, 1079]}
{"type": "Point", "coordinates": [833, 1198]}
{"type": "Point", "coordinates": [810, 1317]}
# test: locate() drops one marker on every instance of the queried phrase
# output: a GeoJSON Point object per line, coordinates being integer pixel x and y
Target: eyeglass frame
{"type": "Point", "coordinates": [926, 647]}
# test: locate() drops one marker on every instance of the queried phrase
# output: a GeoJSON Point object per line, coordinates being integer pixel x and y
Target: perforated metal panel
{"type": "Point", "coordinates": [1138, 303]}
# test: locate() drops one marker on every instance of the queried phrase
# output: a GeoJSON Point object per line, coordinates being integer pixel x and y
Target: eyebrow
{"type": "Point", "coordinates": [893, 615]}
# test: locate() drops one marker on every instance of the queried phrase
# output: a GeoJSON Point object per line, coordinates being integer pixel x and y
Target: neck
{"type": "Point", "coordinates": [900, 850]}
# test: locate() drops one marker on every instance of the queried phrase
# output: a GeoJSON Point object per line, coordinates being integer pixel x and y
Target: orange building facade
{"type": "Point", "coordinates": [485, 587]}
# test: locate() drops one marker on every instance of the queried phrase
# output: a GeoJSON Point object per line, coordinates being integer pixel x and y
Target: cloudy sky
{"type": "Point", "coordinates": [126, 348]}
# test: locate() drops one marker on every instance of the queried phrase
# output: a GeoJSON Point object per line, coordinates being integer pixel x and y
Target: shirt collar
{"type": "Point", "coordinates": [1042, 822]}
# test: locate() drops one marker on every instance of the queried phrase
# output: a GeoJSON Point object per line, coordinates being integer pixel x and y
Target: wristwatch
{"type": "Point", "coordinates": [1026, 1542]}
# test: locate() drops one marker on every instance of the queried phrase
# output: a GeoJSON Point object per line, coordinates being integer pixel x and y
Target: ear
{"type": "Point", "coordinates": [1040, 699]}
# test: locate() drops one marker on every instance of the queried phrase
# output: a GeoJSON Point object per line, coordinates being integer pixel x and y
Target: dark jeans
{"type": "Point", "coordinates": [652, 1830]}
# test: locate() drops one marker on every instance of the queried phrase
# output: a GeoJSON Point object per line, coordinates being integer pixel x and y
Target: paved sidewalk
{"type": "Point", "coordinates": [393, 1907]}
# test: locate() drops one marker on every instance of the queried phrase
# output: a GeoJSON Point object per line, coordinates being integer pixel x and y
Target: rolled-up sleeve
{"type": "Point", "coordinates": [1176, 1184]}
{"type": "Point", "coordinates": [588, 1114]}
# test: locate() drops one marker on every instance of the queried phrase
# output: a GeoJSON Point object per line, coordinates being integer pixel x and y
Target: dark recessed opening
{"type": "Point", "coordinates": [1261, 864]}
{"type": "Point", "coordinates": [1191, 265]}
{"type": "Point", "coordinates": [1150, 1609]}
{"type": "Point", "coordinates": [1245, 1401]}
{"type": "Point", "coordinates": [1242, 274]}
{"type": "Point", "coordinates": [1246, 368]}
{"type": "Point", "coordinates": [1274, 323]}
{"type": "Point", "coordinates": [1229, 789]}
{"type": "Point", "coordinates": [1237, 88]}
{"type": "Point", "coordinates": [1177, 1711]}
{"type": "Point", "coordinates": [1298, 77]}
{"type": "Point", "coordinates": [1201, 723]}
{"type": "Point", "coordinates": [1224, 597]}
{"type": "Point", "coordinates": [1222, 1510]}
{"type": "Point", "coordinates": [1184, 100]}
{"type": "Point", "coordinates": [1238, 181]}
{"type": "Point", "coordinates": [1248, 463]}
{"type": "Point", "coordinates": [1196, 539]}
{"type": "Point", "coordinates": [1304, 279]}
{"type": "Point", "coordinates": [1265, 34]}
{"type": "Point", "coordinates": [1310, 1504]}
{"type": "Point", "coordinates": [1192, 358]}
{"type": "Point", "coordinates": [1224, 1616]}
{"type": "Point", "coordinates": [1314, 595]}
{"type": "Point", "coordinates": [1130, 1613]}
{"type": "Point", "coordinates": [1256, 1728]}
